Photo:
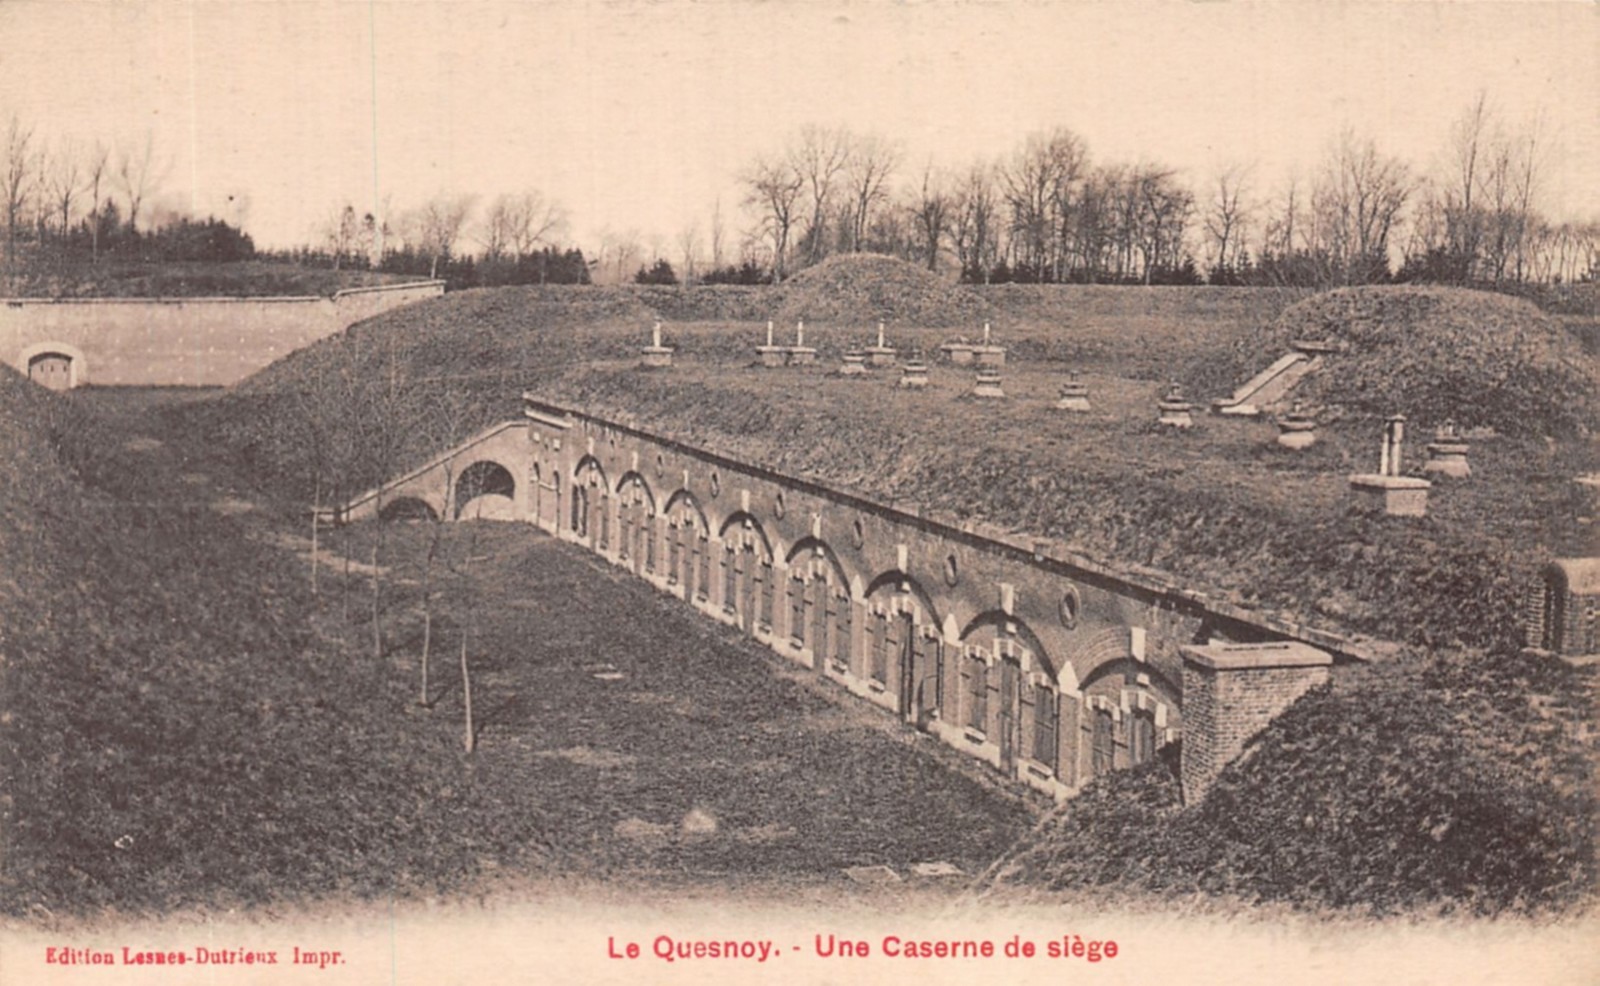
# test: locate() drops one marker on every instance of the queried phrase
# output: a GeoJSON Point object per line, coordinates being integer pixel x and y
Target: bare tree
{"type": "Point", "coordinates": [619, 253]}
{"type": "Point", "coordinates": [436, 226]}
{"type": "Point", "coordinates": [96, 166]}
{"type": "Point", "coordinates": [516, 225]}
{"type": "Point", "coordinates": [1463, 223]}
{"type": "Point", "coordinates": [718, 235]}
{"type": "Point", "coordinates": [1357, 202]}
{"type": "Point", "coordinates": [1039, 182]}
{"type": "Point", "coordinates": [869, 163]}
{"type": "Point", "coordinates": [1165, 207]}
{"type": "Point", "coordinates": [976, 217]}
{"type": "Point", "coordinates": [817, 156]}
{"type": "Point", "coordinates": [339, 233]}
{"type": "Point", "coordinates": [16, 171]}
{"type": "Point", "coordinates": [931, 210]}
{"type": "Point", "coordinates": [65, 181]}
{"type": "Point", "coordinates": [772, 189]}
{"type": "Point", "coordinates": [689, 252]}
{"type": "Point", "coordinates": [138, 174]}
{"type": "Point", "coordinates": [1228, 215]}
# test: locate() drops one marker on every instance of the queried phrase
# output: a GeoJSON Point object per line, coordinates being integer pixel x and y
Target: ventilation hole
{"type": "Point", "coordinates": [1070, 604]}
{"type": "Point", "coordinates": [952, 574]}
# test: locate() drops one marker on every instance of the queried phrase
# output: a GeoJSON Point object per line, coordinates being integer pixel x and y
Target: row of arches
{"type": "Point", "coordinates": [990, 686]}
{"type": "Point", "coordinates": [484, 488]}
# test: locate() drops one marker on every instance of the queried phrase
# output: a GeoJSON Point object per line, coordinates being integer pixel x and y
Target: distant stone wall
{"type": "Point", "coordinates": [184, 341]}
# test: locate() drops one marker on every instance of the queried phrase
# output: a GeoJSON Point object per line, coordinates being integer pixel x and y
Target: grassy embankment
{"type": "Point", "coordinates": [1459, 773]}
{"type": "Point", "coordinates": [185, 726]}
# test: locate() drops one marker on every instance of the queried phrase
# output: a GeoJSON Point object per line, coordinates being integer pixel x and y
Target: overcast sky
{"type": "Point", "coordinates": [639, 115]}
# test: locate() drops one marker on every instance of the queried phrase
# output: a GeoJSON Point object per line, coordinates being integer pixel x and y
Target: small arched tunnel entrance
{"type": "Point", "coordinates": [484, 490]}
{"type": "Point", "coordinates": [52, 370]}
{"type": "Point", "coordinates": [408, 508]}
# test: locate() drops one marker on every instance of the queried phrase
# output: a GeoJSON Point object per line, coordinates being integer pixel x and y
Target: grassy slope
{"type": "Point", "coordinates": [184, 726]}
{"type": "Point", "coordinates": [1494, 808]}
{"type": "Point", "coordinates": [1221, 507]}
{"type": "Point", "coordinates": [129, 279]}
{"type": "Point", "coordinates": [179, 729]}
{"type": "Point", "coordinates": [1436, 785]}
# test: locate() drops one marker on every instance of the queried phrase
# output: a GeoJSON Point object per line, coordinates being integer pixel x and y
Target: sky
{"type": "Point", "coordinates": [640, 115]}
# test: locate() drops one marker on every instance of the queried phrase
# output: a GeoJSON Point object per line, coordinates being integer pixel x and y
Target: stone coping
{"type": "Point", "coordinates": [1379, 481]}
{"type": "Point", "coordinates": [1246, 657]}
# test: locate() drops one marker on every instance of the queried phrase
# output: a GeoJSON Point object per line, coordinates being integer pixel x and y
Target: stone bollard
{"type": "Point", "coordinates": [882, 354]}
{"type": "Point", "coordinates": [988, 383]}
{"type": "Point", "coordinates": [1386, 491]}
{"type": "Point", "coordinates": [1173, 410]}
{"type": "Point", "coordinates": [655, 355]}
{"type": "Point", "coordinates": [772, 354]}
{"type": "Point", "coordinates": [801, 354]}
{"type": "Point", "coordinates": [914, 374]}
{"type": "Point", "coordinates": [1447, 454]}
{"type": "Point", "coordinates": [959, 352]}
{"type": "Point", "coordinates": [1074, 395]}
{"type": "Point", "coordinates": [1297, 430]}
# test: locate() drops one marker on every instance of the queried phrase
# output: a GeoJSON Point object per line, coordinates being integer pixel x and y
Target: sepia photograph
{"type": "Point", "coordinates": [799, 491]}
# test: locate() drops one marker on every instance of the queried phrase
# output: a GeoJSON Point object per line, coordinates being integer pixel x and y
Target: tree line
{"type": "Point", "coordinates": [1046, 212]}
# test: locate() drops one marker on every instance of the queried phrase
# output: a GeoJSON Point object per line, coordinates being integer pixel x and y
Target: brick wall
{"type": "Point", "coordinates": [1230, 692]}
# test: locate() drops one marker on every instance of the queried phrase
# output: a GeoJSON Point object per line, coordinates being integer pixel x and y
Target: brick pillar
{"type": "Point", "coordinates": [1230, 692]}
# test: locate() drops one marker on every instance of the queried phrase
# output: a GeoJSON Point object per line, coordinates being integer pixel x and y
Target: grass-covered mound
{"type": "Point", "coordinates": [864, 289]}
{"type": "Point", "coordinates": [1432, 784]}
{"type": "Point", "coordinates": [1431, 353]}
{"type": "Point", "coordinates": [1221, 508]}
{"type": "Point", "coordinates": [179, 725]}
{"type": "Point", "coordinates": [110, 278]}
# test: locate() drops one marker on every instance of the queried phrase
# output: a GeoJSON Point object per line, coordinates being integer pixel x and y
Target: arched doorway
{"type": "Point", "coordinates": [56, 365]}
{"type": "Point", "coordinates": [485, 490]}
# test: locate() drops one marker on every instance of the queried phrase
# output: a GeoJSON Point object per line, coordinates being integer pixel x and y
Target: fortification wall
{"type": "Point", "coordinates": [184, 341]}
{"type": "Point", "coordinates": [1051, 667]}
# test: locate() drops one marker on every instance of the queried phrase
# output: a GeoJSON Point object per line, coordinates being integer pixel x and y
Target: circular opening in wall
{"type": "Point", "coordinates": [716, 484]}
{"type": "Point", "coordinates": [1070, 604]}
{"type": "Point", "coordinates": [858, 534]}
{"type": "Point", "coordinates": [951, 573]}
{"type": "Point", "coordinates": [779, 508]}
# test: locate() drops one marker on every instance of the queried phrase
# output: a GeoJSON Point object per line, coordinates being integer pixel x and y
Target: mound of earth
{"type": "Point", "coordinates": [1436, 783]}
{"type": "Point", "coordinates": [1437, 354]}
{"type": "Point", "coordinates": [864, 289]}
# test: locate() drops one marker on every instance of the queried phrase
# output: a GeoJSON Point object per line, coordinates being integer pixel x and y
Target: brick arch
{"type": "Point", "coordinates": [898, 578]}
{"type": "Point", "coordinates": [409, 508]}
{"type": "Point", "coordinates": [818, 545]}
{"type": "Point", "coordinates": [743, 517]}
{"type": "Point", "coordinates": [481, 477]}
{"type": "Point", "coordinates": [1127, 666]}
{"type": "Point", "coordinates": [1102, 647]}
{"type": "Point", "coordinates": [682, 497]}
{"type": "Point", "coordinates": [1001, 620]}
{"type": "Point", "coordinates": [590, 462]}
{"type": "Point", "coordinates": [637, 478]}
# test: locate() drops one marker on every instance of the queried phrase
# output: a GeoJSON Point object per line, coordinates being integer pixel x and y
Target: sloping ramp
{"type": "Point", "coordinates": [1272, 386]}
{"type": "Point", "coordinates": [495, 461]}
